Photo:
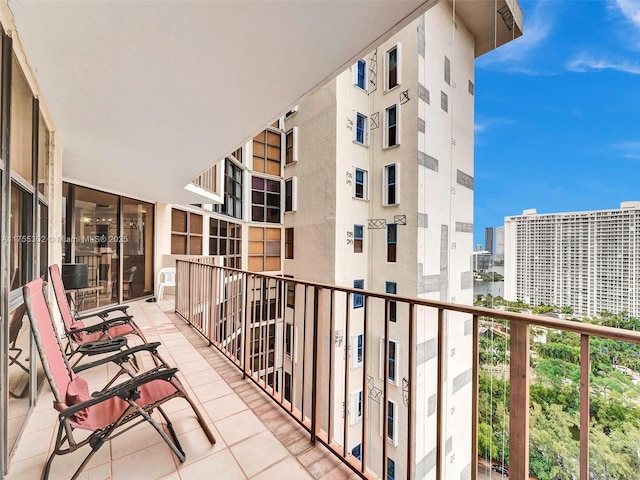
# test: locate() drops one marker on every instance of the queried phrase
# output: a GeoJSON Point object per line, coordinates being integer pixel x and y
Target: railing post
{"type": "Point", "coordinates": [248, 312]}
{"type": "Point", "coordinates": [411, 423]}
{"type": "Point", "coordinates": [474, 397]}
{"type": "Point", "coordinates": [519, 402]}
{"type": "Point", "coordinates": [440, 413]}
{"type": "Point", "coordinates": [316, 392]}
{"type": "Point", "coordinates": [190, 296]}
{"type": "Point", "coordinates": [585, 370]}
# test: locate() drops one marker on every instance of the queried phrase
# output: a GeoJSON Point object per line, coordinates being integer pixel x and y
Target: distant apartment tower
{"type": "Point", "coordinates": [379, 195]}
{"type": "Point", "coordinates": [488, 239]}
{"type": "Point", "coordinates": [587, 260]}
{"type": "Point", "coordinates": [499, 253]}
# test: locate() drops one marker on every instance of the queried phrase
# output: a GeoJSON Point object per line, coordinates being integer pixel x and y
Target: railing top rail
{"type": "Point", "coordinates": [581, 328]}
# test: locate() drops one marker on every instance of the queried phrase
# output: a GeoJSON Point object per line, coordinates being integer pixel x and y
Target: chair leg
{"type": "Point", "coordinates": [160, 290]}
{"type": "Point", "coordinates": [176, 450]}
{"type": "Point", "coordinates": [47, 467]}
{"type": "Point", "coordinates": [171, 429]}
{"type": "Point", "coordinates": [205, 428]}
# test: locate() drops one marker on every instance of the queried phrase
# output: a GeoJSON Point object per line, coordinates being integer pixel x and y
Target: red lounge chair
{"type": "Point", "coordinates": [78, 333]}
{"type": "Point", "coordinates": [110, 412]}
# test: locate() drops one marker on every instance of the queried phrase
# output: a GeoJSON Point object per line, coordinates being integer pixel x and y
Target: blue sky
{"type": "Point", "coordinates": [557, 124]}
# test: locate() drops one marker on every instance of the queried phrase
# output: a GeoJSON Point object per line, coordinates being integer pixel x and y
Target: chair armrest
{"type": "Point", "coordinates": [105, 313]}
{"type": "Point", "coordinates": [120, 357]}
{"type": "Point", "coordinates": [123, 390]}
{"type": "Point", "coordinates": [101, 327]}
{"type": "Point", "coordinates": [105, 346]}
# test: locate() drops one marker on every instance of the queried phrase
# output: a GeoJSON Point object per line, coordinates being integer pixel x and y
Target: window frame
{"type": "Point", "coordinates": [387, 70]}
{"type": "Point", "coordinates": [392, 243]}
{"type": "Point", "coordinates": [358, 247]}
{"type": "Point", "coordinates": [358, 299]}
{"type": "Point", "coordinates": [356, 75]}
{"type": "Point", "coordinates": [365, 129]}
{"type": "Point", "coordinates": [357, 350]}
{"type": "Point", "coordinates": [386, 185]}
{"type": "Point", "coordinates": [396, 126]}
{"type": "Point", "coordinates": [289, 243]}
{"type": "Point", "coordinates": [392, 376]}
{"type": "Point", "coordinates": [291, 198]}
{"type": "Point", "coordinates": [364, 184]}
{"type": "Point", "coordinates": [393, 306]}
{"type": "Point", "coordinates": [293, 131]}
{"type": "Point", "coordinates": [391, 469]}
{"type": "Point", "coordinates": [356, 407]}
{"type": "Point", "coordinates": [265, 204]}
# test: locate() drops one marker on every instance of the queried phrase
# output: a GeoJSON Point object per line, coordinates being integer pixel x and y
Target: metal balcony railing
{"type": "Point", "coordinates": [207, 180]}
{"type": "Point", "coordinates": [344, 363]}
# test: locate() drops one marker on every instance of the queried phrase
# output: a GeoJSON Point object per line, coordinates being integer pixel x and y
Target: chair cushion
{"type": "Point", "coordinates": [78, 392]}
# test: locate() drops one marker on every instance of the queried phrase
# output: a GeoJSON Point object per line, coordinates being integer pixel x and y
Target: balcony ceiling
{"type": "Point", "coordinates": [146, 95]}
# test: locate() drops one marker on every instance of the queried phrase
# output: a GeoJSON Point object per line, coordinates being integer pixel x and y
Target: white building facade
{"type": "Point", "coordinates": [589, 260]}
{"type": "Point", "coordinates": [382, 181]}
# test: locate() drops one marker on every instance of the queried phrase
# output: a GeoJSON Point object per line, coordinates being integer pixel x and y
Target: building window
{"type": "Point", "coordinates": [392, 360]}
{"type": "Point", "coordinates": [232, 205]}
{"type": "Point", "coordinates": [360, 79]}
{"type": "Point", "coordinates": [267, 152]}
{"type": "Point", "coordinates": [287, 386]}
{"type": "Point", "coordinates": [291, 194]}
{"type": "Point", "coordinates": [264, 249]}
{"type": "Point", "coordinates": [390, 186]}
{"type": "Point", "coordinates": [392, 130]}
{"type": "Point", "coordinates": [355, 407]}
{"type": "Point", "coordinates": [392, 240]}
{"type": "Point", "coordinates": [392, 288]}
{"type": "Point", "coordinates": [392, 425]}
{"type": "Point", "coordinates": [358, 299]}
{"type": "Point", "coordinates": [447, 70]}
{"type": "Point", "coordinates": [393, 65]}
{"type": "Point", "coordinates": [265, 200]}
{"type": "Point", "coordinates": [357, 451]}
{"type": "Point", "coordinates": [291, 146]}
{"type": "Point", "coordinates": [361, 129]}
{"type": "Point", "coordinates": [444, 101]}
{"type": "Point", "coordinates": [360, 184]}
{"type": "Point", "coordinates": [357, 348]}
{"type": "Point", "coordinates": [291, 294]}
{"type": "Point", "coordinates": [288, 339]}
{"type": "Point", "coordinates": [391, 469]}
{"type": "Point", "coordinates": [358, 238]}
{"type": "Point", "coordinates": [225, 239]}
{"type": "Point", "coordinates": [472, 87]}
{"type": "Point", "coordinates": [186, 233]}
{"type": "Point", "coordinates": [288, 243]}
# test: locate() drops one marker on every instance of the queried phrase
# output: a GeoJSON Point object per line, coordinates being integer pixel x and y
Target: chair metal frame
{"type": "Point", "coordinates": [129, 391]}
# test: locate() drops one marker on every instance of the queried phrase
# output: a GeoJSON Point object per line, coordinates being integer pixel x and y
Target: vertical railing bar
{"type": "Point", "coordinates": [212, 306]}
{"type": "Point", "coordinates": [411, 407]}
{"type": "Point", "coordinates": [275, 329]}
{"type": "Point", "coordinates": [294, 347]}
{"type": "Point", "coordinates": [189, 296]}
{"type": "Point", "coordinates": [262, 345]}
{"type": "Point", "coordinates": [331, 355]}
{"type": "Point", "coordinates": [316, 395]}
{"type": "Point", "coordinates": [283, 309]}
{"type": "Point", "coordinates": [267, 335]}
{"type": "Point", "coordinates": [474, 396]}
{"type": "Point", "coordinates": [385, 390]}
{"type": "Point", "coordinates": [347, 370]}
{"type": "Point", "coordinates": [234, 303]}
{"type": "Point", "coordinates": [365, 392]}
{"type": "Point", "coordinates": [245, 335]}
{"type": "Point", "coordinates": [304, 347]}
{"type": "Point", "coordinates": [585, 371]}
{"type": "Point", "coordinates": [440, 396]}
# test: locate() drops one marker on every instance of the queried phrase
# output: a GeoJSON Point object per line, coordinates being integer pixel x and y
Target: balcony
{"type": "Point", "coordinates": [277, 365]}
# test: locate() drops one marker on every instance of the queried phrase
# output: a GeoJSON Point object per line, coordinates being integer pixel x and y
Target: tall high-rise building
{"type": "Point", "coordinates": [488, 239]}
{"type": "Point", "coordinates": [379, 186]}
{"type": "Point", "coordinates": [588, 260]}
{"type": "Point", "coordinates": [499, 254]}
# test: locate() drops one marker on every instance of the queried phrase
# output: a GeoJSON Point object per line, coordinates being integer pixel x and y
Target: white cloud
{"type": "Point", "coordinates": [585, 63]}
{"type": "Point", "coordinates": [631, 10]}
{"type": "Point", "coordinates": [629, 149]}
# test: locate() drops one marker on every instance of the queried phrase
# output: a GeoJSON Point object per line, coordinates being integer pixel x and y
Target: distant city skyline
{"type": "Point", "coordinates": [557, 120]}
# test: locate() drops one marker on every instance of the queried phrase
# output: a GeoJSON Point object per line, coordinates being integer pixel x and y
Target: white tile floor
{"type": "Point", "coordinates": [245, 448]}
